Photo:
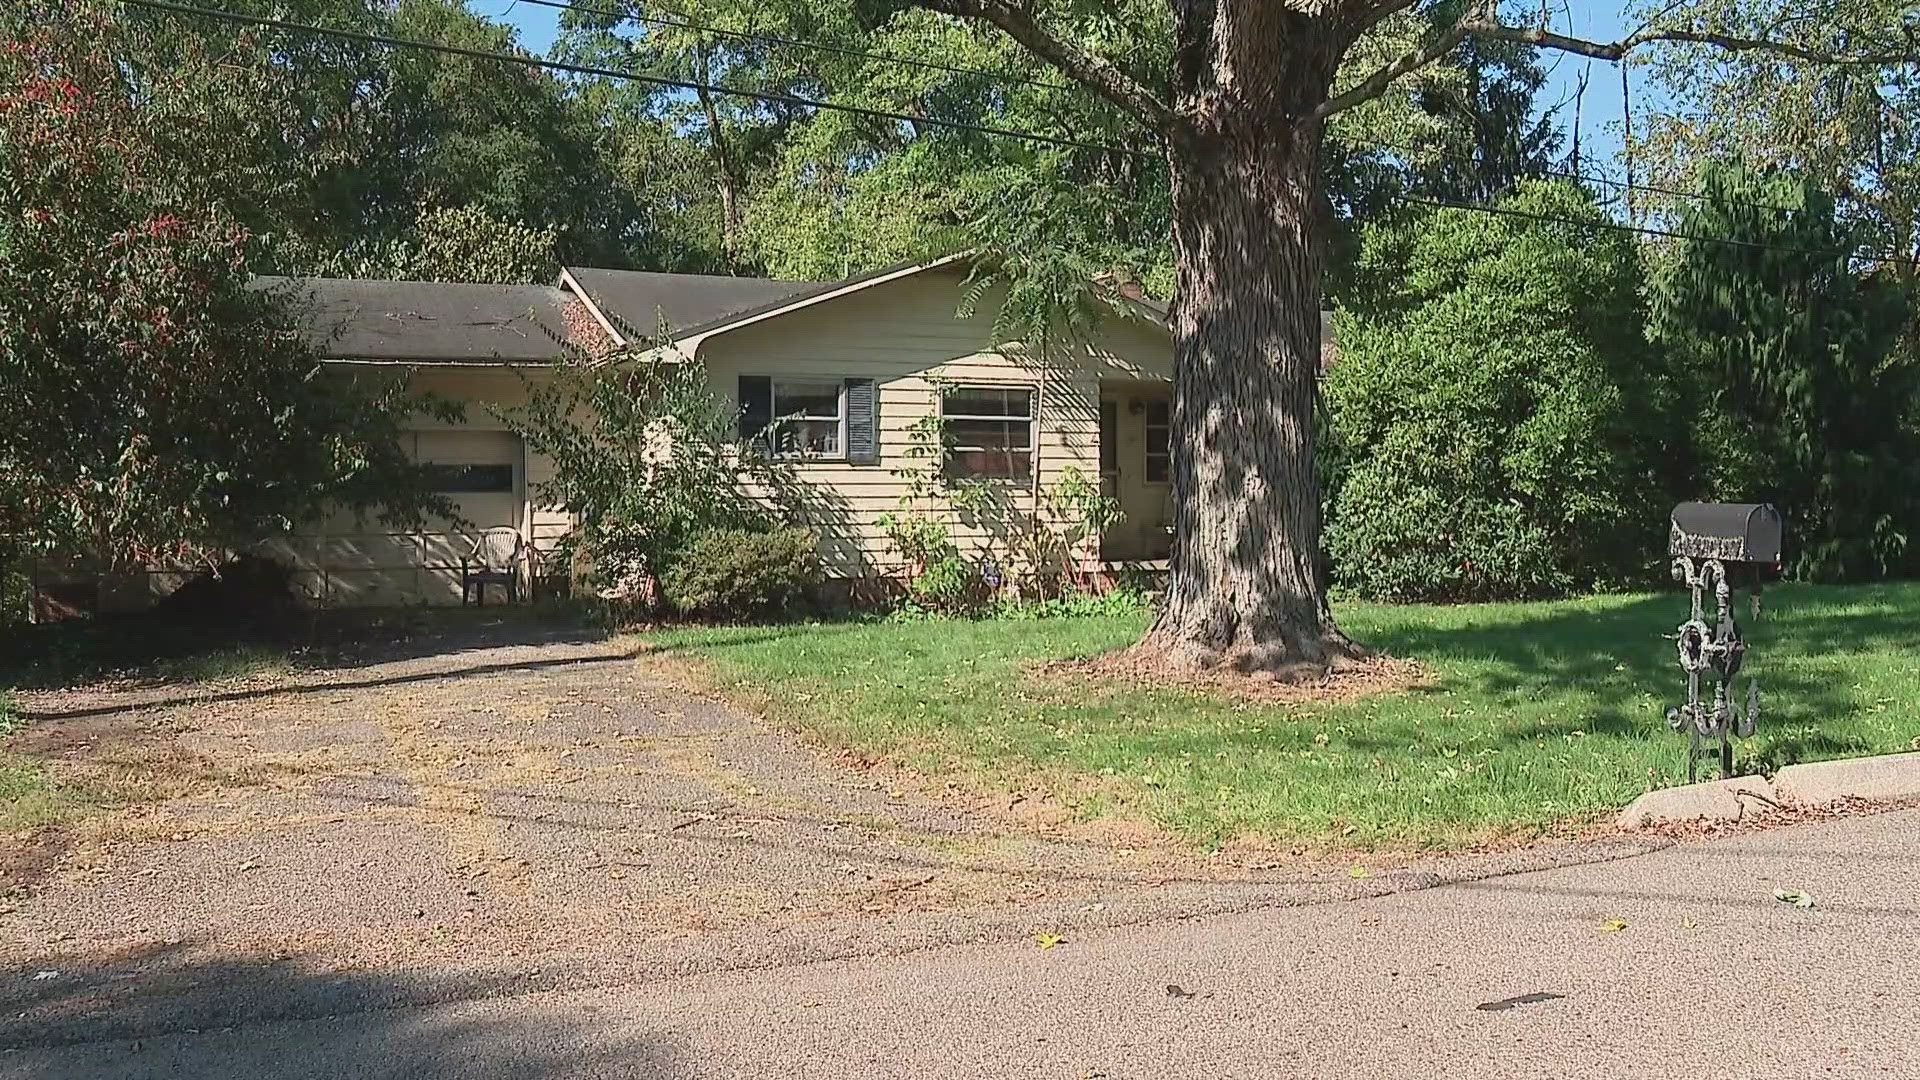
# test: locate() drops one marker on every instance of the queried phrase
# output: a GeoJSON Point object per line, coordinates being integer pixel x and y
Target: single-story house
{"type": "Point", "coordinates": [835, 374]}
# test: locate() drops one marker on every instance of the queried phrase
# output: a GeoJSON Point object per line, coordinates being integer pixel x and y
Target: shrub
{"type": "Point", "coordinates": [951, 586]}
{"type": "Point", "coordinates": [249, 592]}
{"type": "Point", "coordinates": [736, 574]}
{"type": "Point", "coordinates": [1500, 428]}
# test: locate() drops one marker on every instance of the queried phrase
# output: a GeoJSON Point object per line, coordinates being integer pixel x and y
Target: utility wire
{"type": "Point", "coordinates": [788, 99]}
{"type": "Point", "coordinates": [845, 50]}
{"type": "Point", "coordinates": [1566, 174]}
{"type": "Point", "coordinates": [800, 43]}
{"type": "Point", "coordinates": [1648, 230]}
{"type": "Point", "coordinates": [770, 97]}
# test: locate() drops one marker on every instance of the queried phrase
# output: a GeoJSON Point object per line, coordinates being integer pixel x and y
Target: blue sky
{"type": "Point", "coordinates": [1600, 113]}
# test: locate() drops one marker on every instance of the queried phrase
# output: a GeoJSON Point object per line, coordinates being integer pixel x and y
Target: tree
{"type": "Point", "coordinates": [153, 405]}
{"type": "Point", "coordinates": [1498, 423]}
{"type": "Point", "coordinates": [1241, 115]}
{"type": "Point", "coordinates": [1799, 397]}
{"type": "Point", "coordinates": [647, 458]}
{"type": "Point", "coordinates": [1847, 128]}
{"type": "Point", "coordinates": [328, 146]}
{"type": "Point", "coordinates": [463, 243]}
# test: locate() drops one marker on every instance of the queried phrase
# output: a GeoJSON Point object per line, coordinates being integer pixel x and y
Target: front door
{"type": "Point", "coordinates": [1134, 469]}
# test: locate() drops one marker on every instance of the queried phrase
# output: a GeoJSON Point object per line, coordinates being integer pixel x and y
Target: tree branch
{"type": "Point", "coordinates": [1482, 24]}
{"type": "Point", "coordinates": [1405, 64]}
{"type": "Point", "coordinates": [1617, 50]}
{"type": "Point", "coordinates": [1096, 72]}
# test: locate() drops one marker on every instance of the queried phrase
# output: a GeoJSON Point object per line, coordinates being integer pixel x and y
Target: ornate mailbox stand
{"type": "Point", "coordinates": [1709, 542]}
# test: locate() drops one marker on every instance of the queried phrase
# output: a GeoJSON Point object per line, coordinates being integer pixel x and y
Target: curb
{"type": "Point", "coordinates": [1712, 800]}
{"type": "Point", "coordinates": [1890, 776]}
{"type": "Point", "coordinates": [1884, 778]}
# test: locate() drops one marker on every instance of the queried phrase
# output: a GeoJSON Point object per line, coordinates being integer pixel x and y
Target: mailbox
{"type": "Point", "coordinates": [1713, 545]}
{"type": "Point", "coordinates": [1729, 532]}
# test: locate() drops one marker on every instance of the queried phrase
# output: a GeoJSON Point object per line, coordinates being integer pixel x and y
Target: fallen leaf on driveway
{"type": "Point", "coordinates": [1175, 990]}
{"type": "Point", "coordinates": [1048, 941]}
{"type": "Point", "coordinates": [1613, 926]}
{"type": "Point", "coordinates": [250, 864]}
{"type": "Point", "coordinates": [1689, 924]}
{"type": "Point", "coordinates": [1793, 896]}
{"type": "Point", "coordinates": [1359, 872]}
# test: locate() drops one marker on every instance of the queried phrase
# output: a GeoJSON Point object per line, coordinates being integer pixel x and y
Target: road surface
{"type": "Point", "coordinates": [1676, 963]}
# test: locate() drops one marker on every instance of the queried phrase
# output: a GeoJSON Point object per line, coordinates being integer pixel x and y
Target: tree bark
{"type": "Point", "coordinates": [1247, 588]}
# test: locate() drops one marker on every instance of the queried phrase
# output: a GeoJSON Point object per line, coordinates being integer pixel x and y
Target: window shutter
{"type": "Point", "coordinates": [863, 422]}
{"type": "Point", "coordinates": [756, 405]}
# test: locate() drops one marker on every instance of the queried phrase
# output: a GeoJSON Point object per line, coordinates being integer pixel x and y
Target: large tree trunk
{"type": "Point", "coordinates": [1248, 587]}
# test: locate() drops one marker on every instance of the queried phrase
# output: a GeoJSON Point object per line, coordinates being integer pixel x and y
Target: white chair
{"type": "Point", "coordinates": [497, 557]}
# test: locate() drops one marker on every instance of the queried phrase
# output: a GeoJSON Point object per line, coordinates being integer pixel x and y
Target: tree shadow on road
{"type": "Point", "coordinates": [165, 1011]}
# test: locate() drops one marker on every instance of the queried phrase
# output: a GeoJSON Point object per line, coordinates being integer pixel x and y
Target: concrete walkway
{"type": "Point", "coordinates": [1678, 963]}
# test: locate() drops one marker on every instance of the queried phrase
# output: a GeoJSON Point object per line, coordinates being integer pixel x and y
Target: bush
{"type": "Point", "coordinates": [736, 574]}
{"type": "Point", "coordinates": [1500, 428]}
{"type": "Point", "coordinates": [951, 585]}
{"type": "Point", "coordinates": [250, 592]}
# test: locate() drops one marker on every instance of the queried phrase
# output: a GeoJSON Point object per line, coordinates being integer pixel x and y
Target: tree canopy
{"type": "Point", "coordinates": [153, 404]}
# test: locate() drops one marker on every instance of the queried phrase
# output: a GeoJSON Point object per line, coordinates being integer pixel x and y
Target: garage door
{"type": "Point", "coordinates": [482, 473]}
{"type": "Point", "coordinates": [352, 563]}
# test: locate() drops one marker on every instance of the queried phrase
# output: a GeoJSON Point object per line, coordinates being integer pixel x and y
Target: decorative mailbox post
{"type": "Point", "coordinates": [1711, 544]}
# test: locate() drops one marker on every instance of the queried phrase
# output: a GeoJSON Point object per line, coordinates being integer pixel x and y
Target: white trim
{"type": "Point", "coordinates": [477, 365]}
{"type": "Point", "coordinates": [568, 282]}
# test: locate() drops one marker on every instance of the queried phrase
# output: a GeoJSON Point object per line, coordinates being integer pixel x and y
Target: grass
{"type": "Point", "coordinates": [217, 665]}
{"type": "Point", "coordinates": [28, 796]}
{"type": "Point", "coordinates": [1541, 717]}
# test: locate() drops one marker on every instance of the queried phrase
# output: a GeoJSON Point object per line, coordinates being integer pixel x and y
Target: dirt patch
{"type": "Point", "coordinates": [1350, 681]}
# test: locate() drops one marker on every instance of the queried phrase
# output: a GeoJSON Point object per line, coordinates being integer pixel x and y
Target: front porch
{"type": "Point", "coordinates": [1136, 469]}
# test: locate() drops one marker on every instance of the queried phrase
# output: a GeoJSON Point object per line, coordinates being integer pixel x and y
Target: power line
{"type": "Point", "coordinates": [789, 99]}
{"type": "Point", "coordinates": [1565, 174]}
{"type": "Point", "coordinates": [770, 97]}
{"type": "Point", "coordinates": [801, 43]}
{"type": "Point", "coordinates": [845, 50]}
{"type": "Point", "coordinates": [1648, 230]}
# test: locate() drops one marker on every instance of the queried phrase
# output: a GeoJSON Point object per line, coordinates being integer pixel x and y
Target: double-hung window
{"type": "Point", "coordinates": [812, 417]}
{"type": "Point", "coordinates": [989, 431]}
{"type": "Point", "coordinates": [809, 418]}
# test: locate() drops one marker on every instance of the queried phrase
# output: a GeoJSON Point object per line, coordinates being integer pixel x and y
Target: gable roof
{"type": "Point", "coordinates": [428, 322]}
{"type": "Point", "coordinates": [689, 337]}
{"type": "Point", "coordinates": [632, 303]}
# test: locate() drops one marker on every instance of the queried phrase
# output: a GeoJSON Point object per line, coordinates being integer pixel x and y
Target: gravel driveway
{"type": "Point", "coordinates": [510, 807]}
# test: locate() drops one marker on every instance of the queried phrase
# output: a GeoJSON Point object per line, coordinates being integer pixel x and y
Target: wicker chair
{"type": "Point", "coordinates": [498, 557]}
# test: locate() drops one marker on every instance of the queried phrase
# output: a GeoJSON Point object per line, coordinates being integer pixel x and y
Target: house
{"type": "Point", "coordinates": [835, 374]}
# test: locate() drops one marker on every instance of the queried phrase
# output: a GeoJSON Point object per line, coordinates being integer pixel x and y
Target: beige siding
{"type": "Point", "coordinates": [905, 336]}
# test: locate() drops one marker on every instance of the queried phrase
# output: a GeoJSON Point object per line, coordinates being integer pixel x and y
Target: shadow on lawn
{"type": "Point", "coordinates": [174, 1011]}
{"type": "Point", "coordinates": [1616, 654]}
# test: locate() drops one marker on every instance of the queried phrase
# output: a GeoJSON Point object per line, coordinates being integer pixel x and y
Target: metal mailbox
{"type": "Point", "coordinates": [1729, 532]}
{"type": "Point", "coordinates": [1703, 540]}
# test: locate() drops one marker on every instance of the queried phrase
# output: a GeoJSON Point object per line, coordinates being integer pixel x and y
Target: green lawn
{"type": "Point", "coordinates": [1541, 717]}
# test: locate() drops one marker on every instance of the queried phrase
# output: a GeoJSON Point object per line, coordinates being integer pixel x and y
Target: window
{"type": "Point", "coordinates": [989, 431]}
{"type": "Point", "coordinates": [470, 479]}
{"type": "Point", "coordinates": [812, 418]}
{"type": "Point", "coordinates": [1159, 442]}
{"type": "Point", "coordinates": [807, 419]}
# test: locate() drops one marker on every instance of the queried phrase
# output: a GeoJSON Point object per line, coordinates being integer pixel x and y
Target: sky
{"type": "Point", "coordinates": [1601, 108]}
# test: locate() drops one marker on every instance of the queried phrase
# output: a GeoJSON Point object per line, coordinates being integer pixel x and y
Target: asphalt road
{"type": "Point", "coordinates": [1679, 963]}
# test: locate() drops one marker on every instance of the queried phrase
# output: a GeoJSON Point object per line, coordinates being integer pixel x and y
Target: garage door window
{"type": "Point", "coordinates": [471, 479]}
